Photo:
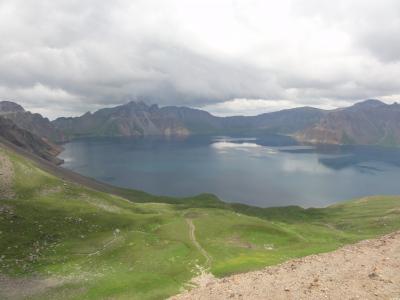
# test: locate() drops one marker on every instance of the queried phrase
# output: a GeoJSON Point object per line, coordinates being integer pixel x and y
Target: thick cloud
{"type": "Point", "coordinates": [64, 57]}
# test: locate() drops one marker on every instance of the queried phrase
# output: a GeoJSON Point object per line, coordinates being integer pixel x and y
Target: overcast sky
{"type": "Point", "coordinates": [65, 57]}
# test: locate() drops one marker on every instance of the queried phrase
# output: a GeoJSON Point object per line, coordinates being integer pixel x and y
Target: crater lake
{"type": "Point", "coordinates": [269, 170]}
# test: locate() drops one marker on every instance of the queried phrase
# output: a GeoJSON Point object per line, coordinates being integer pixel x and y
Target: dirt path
{"type": "Point", "coordinates": [192, 235]}
{"type": "Point", "coordinates": [367, 270]}
{"type": "Point", "coordinates": [6, 177]}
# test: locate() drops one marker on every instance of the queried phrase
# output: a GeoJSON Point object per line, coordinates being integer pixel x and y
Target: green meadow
{"type": "Point", "coordinates": [93, 245]}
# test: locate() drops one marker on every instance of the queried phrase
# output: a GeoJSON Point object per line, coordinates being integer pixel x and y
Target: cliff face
{"type": "Point", "coordinates": [132, 119]}
{"type": "Point", "coordinates": [34, 123]}
{"type": "Point", "coordinates": [28, 141]}
{"type": "Point", "coordinates": [367, 123]}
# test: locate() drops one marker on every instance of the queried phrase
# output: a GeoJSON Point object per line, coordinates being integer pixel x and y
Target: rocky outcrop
{"type": "Point", "coordinates": [32, 122]}
{"type": "Point", "coordinates": [11, 133]}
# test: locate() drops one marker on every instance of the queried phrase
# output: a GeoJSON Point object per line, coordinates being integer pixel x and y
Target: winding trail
{"type": "Point", "coordinates": [103, 248]}
{"type": "Point", "coordinates": [192, 235]}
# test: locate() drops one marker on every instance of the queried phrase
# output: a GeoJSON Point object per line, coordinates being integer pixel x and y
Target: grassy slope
{"type": "Point", "coordinates": [104, 246]}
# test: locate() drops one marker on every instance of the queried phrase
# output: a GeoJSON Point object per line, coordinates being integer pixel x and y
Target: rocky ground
{"type": "Point", "coordinates": [6, 178]}
{"type": "Point", "coordinates": [367, 270]}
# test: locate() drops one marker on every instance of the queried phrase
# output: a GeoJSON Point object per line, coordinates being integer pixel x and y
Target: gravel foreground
{"type": "Point", "coordinates": [367, 270]}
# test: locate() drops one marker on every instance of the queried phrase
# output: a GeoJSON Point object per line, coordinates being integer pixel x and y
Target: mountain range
{"type": "Point", "coordinates": [139, 119]}
{"type": "Point", "coordinates": [369, 122]}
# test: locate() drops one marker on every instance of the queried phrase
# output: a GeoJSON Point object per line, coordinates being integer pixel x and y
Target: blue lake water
{"type": "Point", "coordinates": [263, 171]}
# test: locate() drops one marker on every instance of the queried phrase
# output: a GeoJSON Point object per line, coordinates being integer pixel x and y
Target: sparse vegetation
{"type": "Point", "coordinates": [83, 244]}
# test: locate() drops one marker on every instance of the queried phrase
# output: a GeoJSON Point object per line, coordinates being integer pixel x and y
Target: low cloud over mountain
{"type": "Point", "coordinates": [63, 58]}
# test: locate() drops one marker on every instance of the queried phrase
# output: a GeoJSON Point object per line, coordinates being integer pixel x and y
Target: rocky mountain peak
{"type": "Point", "coordinates": [136, 105]}
{"type": "Point", "coordinates": [10, 107]}
{"type": "Point", "coordinates": [370, 103]}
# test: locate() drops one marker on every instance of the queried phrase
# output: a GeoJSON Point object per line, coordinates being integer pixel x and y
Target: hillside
{"type": "Point", "coordinates": [61, 240]}
{"type": "Point", "coordinates": [366, 123]}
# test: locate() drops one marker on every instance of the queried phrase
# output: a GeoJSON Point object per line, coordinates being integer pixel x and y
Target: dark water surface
{"type": "Point", "coordinates": [263, 171]}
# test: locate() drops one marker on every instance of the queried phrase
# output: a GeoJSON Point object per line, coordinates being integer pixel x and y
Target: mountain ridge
{"type": "Point", "coordinates": [140, 119]}
{"type": "Point", "coordinates": [369, 122]}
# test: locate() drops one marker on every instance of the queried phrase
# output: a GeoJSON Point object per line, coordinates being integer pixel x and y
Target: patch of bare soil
{"type": "Point", "coordinates": [6, 177]}
{"type": "Point", "coordinates": [50, 190]}
{"type": "Point", "coordinates": [22, 288]}
{"type": "Point", "coordinates": [238, 242]}
{"type": "Point", "coordinates": [367, 270]}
